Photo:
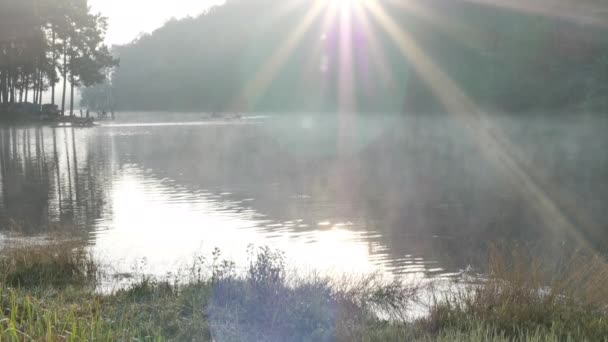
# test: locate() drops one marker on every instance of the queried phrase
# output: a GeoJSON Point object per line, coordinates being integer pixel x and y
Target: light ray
{"type": "Point", "coordinates": [346, 89]}
{"type": "Point", "coordinates": [492, 143]}
{"type": "Point", "coordinates": [346, 82]}
{"type": "Point", "coordinates": [377, 52]}
{"type": "Point", "coordinates": [258, 85]}
{"type": "Point", "coordinates": [455, 29]}
{"type": "Point", "coordinates": [283, 8]}
{"type": "Point", "coordinates": [317, 50]}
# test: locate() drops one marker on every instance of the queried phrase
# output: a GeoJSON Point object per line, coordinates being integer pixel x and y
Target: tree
{"type": "Point", "coordinates": [90, 58]}
{"type": "Point", "coordinates": [35, 33]}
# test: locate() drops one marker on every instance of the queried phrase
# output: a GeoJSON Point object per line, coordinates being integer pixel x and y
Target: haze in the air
{"type": "Point", "coordinates": [130, 18]}
{"type": "Point", "coordinates": [304, 170]}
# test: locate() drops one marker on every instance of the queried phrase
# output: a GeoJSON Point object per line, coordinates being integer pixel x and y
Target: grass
{"type": "Point", "coordinates": [47, 293]}
{"type": "Point", "coordinates": [58, 263]}
{"type": "Point", "coordinates": [526, 294]}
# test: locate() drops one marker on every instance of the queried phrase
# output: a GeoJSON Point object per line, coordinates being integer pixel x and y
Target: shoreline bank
{"type": "Point", "coordinates": [48, 291]}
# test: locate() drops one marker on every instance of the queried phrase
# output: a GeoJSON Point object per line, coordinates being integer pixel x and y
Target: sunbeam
{"type": "Point", "coordinates": [346, 85]}
{"type": "Point", "coordinates": [318, 59]}
{"type": "Point", "coordinates": [494, 145]}
{"type": "Point", "coordinates": [459, 30]}
{"type": "Point", "coordinates": [258, 85]}
{"type": "Point", "coordinates": [378, 56]}
{"type": "Point", "coordinates": [346, 81]}
{"type": "Point", "coordinates": [344, 4]}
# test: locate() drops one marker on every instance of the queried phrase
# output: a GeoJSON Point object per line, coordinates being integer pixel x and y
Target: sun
{"type": "Point", "coordinates": [344, 4]}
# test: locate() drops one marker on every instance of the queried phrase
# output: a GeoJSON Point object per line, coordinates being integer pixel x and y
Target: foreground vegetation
{"type": "Point", "coordinates": [48, 292]}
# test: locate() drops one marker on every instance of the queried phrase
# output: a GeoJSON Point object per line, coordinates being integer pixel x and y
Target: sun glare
{"type": "Point", "coordinates": [344, 4]}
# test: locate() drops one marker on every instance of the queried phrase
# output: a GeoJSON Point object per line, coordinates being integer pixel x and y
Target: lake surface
{"type": "Point", "coordinates": [417, 196]}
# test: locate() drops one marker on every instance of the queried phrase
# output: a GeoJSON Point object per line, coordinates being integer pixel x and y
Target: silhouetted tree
{"type": "Point", "coordinates": [33, 36]}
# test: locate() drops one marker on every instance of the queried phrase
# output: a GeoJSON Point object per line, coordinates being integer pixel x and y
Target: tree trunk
{"type": "Point", "coordinates": [22, 86]}
{"type": "Point", "coordinates": [71, 93]}
{"type": "Point", "coordinates": [65, 78]}
{"type": "Point", "coordinates": [20, 90]}
{"type": "Point", "coordinates": [41, 88]}
{"type": "Point", "coordinates": [27, 85]}
{"type": "Point", "coordinates": [53, 74]}
{"type": "Point", "coordinates": [35, 87]}
{"type": "Point", "coordinates": [14, 87]}
{"type": "Point", "coordinates": [11, 89]}
{"type": "Point", "coordinates": [4, 86]}
{"type": "Point", "coordinates": [1, 86]}
{"type": "Point", "coordinates": [7, 86]}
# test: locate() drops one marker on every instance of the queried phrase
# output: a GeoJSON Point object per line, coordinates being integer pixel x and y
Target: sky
{"type": "Point", "coordinates": [129, 18]}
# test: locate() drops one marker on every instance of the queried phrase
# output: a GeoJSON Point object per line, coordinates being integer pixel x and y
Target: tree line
{"type": "Point", "coordinates": [280, 59]}
{"type": "Point", "coordinates": [46, 45]}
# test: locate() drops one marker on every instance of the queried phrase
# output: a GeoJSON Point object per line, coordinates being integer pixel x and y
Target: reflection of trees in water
{"type": "Point", "coordinates": [422, 184]}
{"type": "Point", "coordinates": [52, 178]}
{"type": "Point", "coordinates": [25, 185]}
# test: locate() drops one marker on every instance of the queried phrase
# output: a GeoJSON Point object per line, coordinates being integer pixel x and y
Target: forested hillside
{"type": "Point", "coordinates": [249, 55]}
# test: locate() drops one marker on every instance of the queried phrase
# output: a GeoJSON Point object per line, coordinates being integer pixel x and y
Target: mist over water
{"type": "Point", "coordinates": [403, 194]}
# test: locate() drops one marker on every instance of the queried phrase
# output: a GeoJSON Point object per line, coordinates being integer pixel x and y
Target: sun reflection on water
{"type": "Point", "coordinates": [152, 221]}
{"type": "Point", "coordinates": [163, 227]}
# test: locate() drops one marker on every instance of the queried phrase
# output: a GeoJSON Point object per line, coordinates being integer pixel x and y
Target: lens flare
{"type": "Point", "coordinates": [344, 4]}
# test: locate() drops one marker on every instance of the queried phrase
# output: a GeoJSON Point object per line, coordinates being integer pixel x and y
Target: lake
{"type": "Point", "coordinates": [417, 196]}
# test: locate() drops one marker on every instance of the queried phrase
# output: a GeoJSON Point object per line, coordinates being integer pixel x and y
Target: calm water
{"type": "Point", "coordinates": [416, 196]}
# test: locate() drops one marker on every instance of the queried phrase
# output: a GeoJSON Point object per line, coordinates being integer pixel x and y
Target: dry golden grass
{"type": "Point", "coordinates": [46, 292]}
{"type": "Point", "coordinates": [50, 263]}
{"type": "Point", "coordinates": [525, 292]}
